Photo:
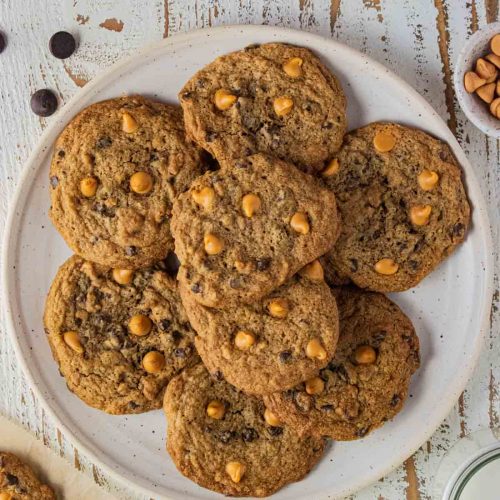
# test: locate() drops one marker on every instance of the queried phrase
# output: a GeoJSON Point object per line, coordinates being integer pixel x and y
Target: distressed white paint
{"type": "Point", "coordinates": [402, 35]}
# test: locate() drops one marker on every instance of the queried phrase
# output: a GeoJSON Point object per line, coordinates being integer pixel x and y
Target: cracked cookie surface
{"type": "Point", "coordinates": [103, 333]}
{"type": "Point", "coordinates": [273, 98]}
{"type": "Point", "coordinates": [18, 480]}
{"type": "Point", "coordinates": [243, 231]}
{"type": "Point", "coordinates": [220, 438]}
{"type": "Point", "coordinates": [367, 381]}
{"type": "Point", "coordinates": [116, 170]}
{"type": "Point", "coordinates": [270, 345]}
{"type": "Point", "coordinates": [402, 203]}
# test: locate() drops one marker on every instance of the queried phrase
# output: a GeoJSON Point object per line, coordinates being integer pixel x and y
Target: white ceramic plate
{"type": "Point", "coordinates": [450, 309]}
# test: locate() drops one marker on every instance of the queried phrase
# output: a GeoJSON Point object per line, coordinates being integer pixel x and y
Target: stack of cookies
{"type": "Point", "coordinates": [230, 259]}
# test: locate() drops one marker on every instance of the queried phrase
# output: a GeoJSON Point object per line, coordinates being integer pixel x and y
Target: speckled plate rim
{"type": "Point", "coordinates": [10, 240]}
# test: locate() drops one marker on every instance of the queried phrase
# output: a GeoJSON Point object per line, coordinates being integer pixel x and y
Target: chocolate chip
{"type": "Point", "coordinates": [43, 102]}
{"type": "Point", "coordinates": [285, 356]}
{"type": "Point", "coordinates": [252, 46]}
{"type": "Point", "coordinates": [3, 42]}
{"type": "Point", "coordinates": [353, 265]}
{"type": "Point", "coordinates": [172, 264]}
{"type": "Point", "coordinates": [275, 431]}
{"type": "Point", "coordinates": [414, 265]}
{"type": "Point", "coordinates": [164, 324]}
{"type": "Point", "coordinates": [217, 375]}
{"type": "Point", "coordinates": [327, 407]}
{"type": "Point", "coordinates": [62, 44]}
{"type": "Point", "coordinates": [225, 436]}
{"type": "Point", "coordinates": [248, 434]}
{"type": "Point", "coordinates": [395, 400]}
{"type": "Point", "coordinates": [103, 142]}
{"type": "Point", "coordinates": [196, 288]}
{"type": "Point", "coordinates": [210, 136]}
{"type": "Point", "coordinates": [133, 405]}
{"type": "Point", "coordinates": [61, 153]}
{"type": "Point", "coordinates": [176, 336]}
{"type": "Point", "coordinates": [54, 181]}
{"type": "Point", "coordinates": [11, 479]}
{"type": "Point", "coordinates": [458, 229]}
{"type": "Point", "coordinates": [179, 352]}
{"type": "Point", "coordinates": [131, 251]}
{"type": "Point", "coordinates": [362, 432]}
{"type": "Point", "coordinates": [263, 264]}
{"type": "Point", "coordinates": [186, 95]}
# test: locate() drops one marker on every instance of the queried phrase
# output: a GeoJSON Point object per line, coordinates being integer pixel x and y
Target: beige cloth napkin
{"type": "Point", "coordinates": [69, 483]}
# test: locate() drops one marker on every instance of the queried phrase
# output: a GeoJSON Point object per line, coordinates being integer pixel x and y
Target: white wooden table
{"type": "Point", "coordinates": [418, 39]}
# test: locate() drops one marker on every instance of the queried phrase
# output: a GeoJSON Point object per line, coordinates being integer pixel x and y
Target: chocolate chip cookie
{"type": "Point", "coordinates": [273, 98]}
{"type": "Point", "coordinates": [118, 335]}
{"type": "Point", "coordinates": [19, 482]}
{"type": "Point", "coordinates": [243, 231]}
{"type": "Point", "coordinates": [367, 382]}
{"type": "Point", "coordinates": [402, 203]}
{"type": "Point", "coordinates": [116, 169]}
{"type": "Point", "coordinates": [273, 344]}
{"type": "Point", "coordinates": [227, 441]}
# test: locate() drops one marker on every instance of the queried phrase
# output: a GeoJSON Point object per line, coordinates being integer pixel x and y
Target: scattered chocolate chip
{"type": "Point", "coordinates": [217, 375]}
{"type": "Point", "coordinates": [54, 181]}
{"type": "Point", "coordinates": [61, 153]}
{"type": "Point", "coordinates": [263, 264]}
{"type": "Point", "coordinates": [103, 142]}
{"type": "Point", "coordinates": [353, 265]}
{"type": "Point", "coordinates": [131, 251]}
{"type": "Point", "coordinates": [3, 42]}
{"type": "Point", "coordinates": [362, 432]}
{"type": "Point", "coordinates": [164, 324]}
{"type": "Point", "coordinates": [285, 356]}
{"type": "Point", "coordinates": [458, 229]}
{"type": "Point", "coordinates": [395, 400]}
{"type": "Point", "coordinates": [275, 431]}
{"type": "Point", "coordinates": [43, 102]}
{"type": "Point", "coordinates": [196, 288]}
{"type": "Point", "coordinates": [248, 434]}
{"type": "Point", "coordinates": [179, 352]}
{"type": "Point", "coordinates": [172, 264]}
{"type": "Point", "coordinates": [11, 479]}
{"type": "Point", "coordinates": [62, 44]}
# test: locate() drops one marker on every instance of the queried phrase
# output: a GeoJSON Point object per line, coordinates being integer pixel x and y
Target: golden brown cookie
{"type": "Point", "coordinates": [116, 170]}
{"type": "Point", "coordinates": [273, 98]}
{"type": "Point", "coordinates": [118, 335]}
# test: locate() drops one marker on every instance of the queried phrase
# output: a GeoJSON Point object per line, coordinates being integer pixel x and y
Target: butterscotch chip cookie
{"type": "Point", "coordinates": [242, 232]}
{"type": "Point", "coordinates": [367, 381]}
{"type": "Point", "coordinates": [225, 440]}
{"type": "Point", "coordinates": [402, 203]}
{"type": "Point", "coordinates": [116, 170]}
{"type": "Point", "coordinates": [118, 335]}
{"type": "Point", "coordinates": [273, 344]}
{"type": "Point", "coordinates": [273, 98]}
{"type": "Point", "coordinates": [19, 482]}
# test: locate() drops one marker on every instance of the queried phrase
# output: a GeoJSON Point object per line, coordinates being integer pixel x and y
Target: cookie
{"type": "Point", "coordinates": [273, 98]}
{"type": "Point", "coordinates": [273, 344]}
{"type": "Point", "coordinates": [226, 441]}
{"type": "Point", "coordinates": [402, 203]}
{"type": "Point", "coordinates": [367, 381]}
{"type": "Point", "coordinates": [243, 231]}
{"type": "Point", "coordinates": [116, 170]}
{"type": "Point", "coordinates": [119, 336]}
{"type": "Point", "coordinates": [19, 482]}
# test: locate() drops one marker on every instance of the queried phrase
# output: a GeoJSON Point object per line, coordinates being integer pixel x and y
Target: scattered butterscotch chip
{"type": "Point", "coordinates": [495, 45]}
{"type": "Point", "coordinates": [204, 197]}
{"type": "Point", "coordinates": [384, 143]}
{"type": "Point", "coordinates": [72, 339]}
{"type": "Point", "coordinates": [314, 386]}
{"type": "Point", "coordinates": [420, 214]}
{"type": "Point", "coordinates": [365, 355]}
{"type": "Point", "coordinates": [250, 204]}
{"type": "Point", "coordinates": [271, 419]}
{"type": "Point", "coordinates": [300, 223]}
{"type": "Point", "coordinates": [473, 81]}
{"type": "Point", "coordinates": [153, 362]}
{"type": "Point", "coordinates": [223, 99]}
{"type": "Point", "coordinates": [386, 266]}
{"type": "Point", "coordinates": [244, 340]}
{"type": "Point", "coordinates": [216, 409]}
{"type": "Point", "coordinates": [129, 124]}
{"type": "Point", "coordinates": [313, 271]}
{"type": "Point", "coordinates": [278, 308]}
{"type": "Point", "coordinates": [293, 67]}
{"type": "Point", "coordinates": [493, 59]}
{"type": "Point", "coordinates": [485, 69]}
{"type": "Point", "coordinates": [315, 350]}
{"type": "Point", "coordinates": [236, 470]}
{"type": "Point", "coordinates": [88, 186]}
{"type": "Point", "coordinates": [140, 325]}
{"type": "Point", "coordinates": [282, 105]}
{"type": "Point", "coordinates": [213, 245]}
{"type": "Point", "coordinates": [427, 179]}
{"type": "Point", "coordinates": [123, 276]}
{"type": "Point", "coordinates": [141, 183]}
{"type": "Point", "coordinates": [487, 92]}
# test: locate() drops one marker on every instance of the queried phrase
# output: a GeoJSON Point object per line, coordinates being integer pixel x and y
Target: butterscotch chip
{"type": "Point", "coordinates": [493, 59]}
{"type": "Point", "coordinates": [111, 223]}
{"type": "Point", "coordinates": [313, 271]}
{"type": "Point", "coordinates": [495, 107]}
{"type": "Point", "coordinates": [204, 197]}
{"type": "Point", "coordinates": [141, 182]}
{"type": "Point", "coordinates": [224, 100]}
{"type": "Point", "coordinates": [123, 276]}
{"type": "Point", "coordinates": [485, 69]}
{"type": "Point", "coordinates": [234, 455]}
{"type": "Point", "coordinates": [88, 186]}
{"type": "Point", "coordinates": [278, 308]}
{"type": "Point", "coordinates": [216, 409]}
{"type": "Point", "coordinates": [384, 142]}
{"type": "Point", "coordinates": [289, 221]}
{"type": "Point", "coordinates": [259, 352]}
{"type": "Point", "coordinates": [129, 124]}
{"type": "Point", "coordinates": [487, 92]}
{"type": "Point", "coordinates": [289, 105]}
{"type": "Point", "coordinates": [377, 194]}
{"type": "Point", "coordinates": [314, 386]}
{"type": "Point", "coordinates": [472, 81]}
{"type": "Point", "coordinates": [368, 379]}
{"type": "Point", "coordinates": [110, 364]}
{"type": "Point", "coordinates": [332, 168]}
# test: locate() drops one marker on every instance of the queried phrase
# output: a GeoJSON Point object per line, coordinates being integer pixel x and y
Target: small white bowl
{"type": "Point", "coordinates": [475, 109]}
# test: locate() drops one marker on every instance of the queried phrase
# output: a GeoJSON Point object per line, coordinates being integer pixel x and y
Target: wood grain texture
{"type": "Point", "coordinates": [419, 41]}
